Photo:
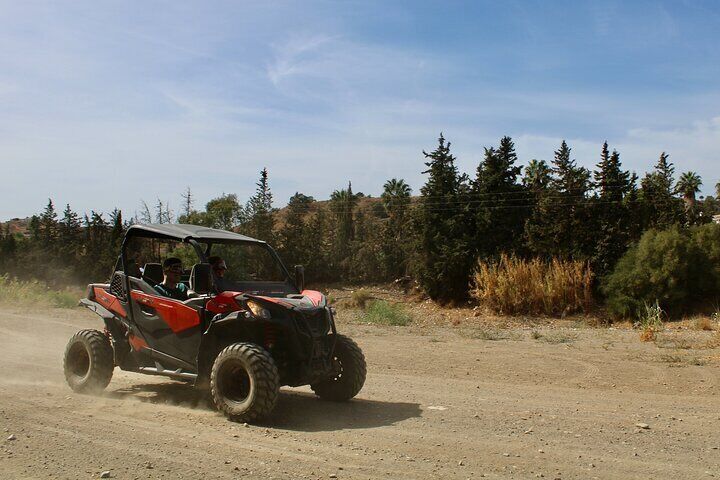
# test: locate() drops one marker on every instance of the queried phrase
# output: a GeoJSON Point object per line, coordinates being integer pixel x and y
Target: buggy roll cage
{"type": "Point", "coordinates": [191, 234]}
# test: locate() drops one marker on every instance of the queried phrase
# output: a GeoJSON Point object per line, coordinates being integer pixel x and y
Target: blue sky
{"type": "Point", "coordinates": [103, 104]}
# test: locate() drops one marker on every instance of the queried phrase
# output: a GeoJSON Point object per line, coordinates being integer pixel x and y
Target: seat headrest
{"type": "Point", "coordinates": [201, 278]}
{"type": "Point", "coordinates": [153, 273]}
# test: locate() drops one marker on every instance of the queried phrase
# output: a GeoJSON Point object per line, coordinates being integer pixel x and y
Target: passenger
{"type": "Point", "coordinates": [171, 286]}
{"type": "Point", "coordinates": [218, 267]}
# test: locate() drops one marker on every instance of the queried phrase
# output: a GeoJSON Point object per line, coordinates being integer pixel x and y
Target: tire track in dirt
{"type": "Point", "coordinates": [493, 392]}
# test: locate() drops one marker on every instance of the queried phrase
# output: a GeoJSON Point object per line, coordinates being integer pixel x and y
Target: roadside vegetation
{"type": "Point", "coordinates": [381, 312]}
{"type": "Point", "coordinates": [514, 286]}
{"type": "Point", "coordinates": [551, 237]}
{"type": "Point", "coordinates": [34, 293]}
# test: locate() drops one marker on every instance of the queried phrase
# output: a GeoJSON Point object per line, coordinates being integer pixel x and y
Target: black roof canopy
{"type": "Point", "coordinates": [183, 232]}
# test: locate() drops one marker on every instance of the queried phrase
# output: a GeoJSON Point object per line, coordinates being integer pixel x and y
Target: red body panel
{"type": "Point", "coordinates": [109, 301]}
{"type": "Point", "coordinates": [178, 316]}
{"type": "Point", "coordinates": [137, 342]}
{"type": "Point", "coordinates": [314, 296]}
{"type": "Point", "coordinates": [223, 303]}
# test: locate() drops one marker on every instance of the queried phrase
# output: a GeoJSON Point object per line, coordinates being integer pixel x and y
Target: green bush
{"type": "Point", "coordinates": [385, 313]}
{"type": "Point", "coordinates": [707, 238]}
{"type": "Point", "coordinates": [668, 267]}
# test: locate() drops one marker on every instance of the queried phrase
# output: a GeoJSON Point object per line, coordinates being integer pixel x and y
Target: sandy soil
{"type": "Point", "coordinates": [439, 402]}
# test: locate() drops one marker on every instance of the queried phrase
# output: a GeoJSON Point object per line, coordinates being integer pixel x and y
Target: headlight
{"type": "Point", "coordinates": [258, 310]}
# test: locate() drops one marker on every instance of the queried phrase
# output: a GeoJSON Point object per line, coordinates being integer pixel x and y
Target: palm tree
{"type": "Point", "coordinates": [395, 196]}
{"type": "Point", "coordinates": [688, 186]}
{"type": "Point", "coordinates": [537, 175]}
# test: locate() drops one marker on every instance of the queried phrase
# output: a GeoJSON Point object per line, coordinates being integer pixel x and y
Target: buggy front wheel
{"type": "Point", "coordinates": [349, 372]}
{"type": "Point", "coordinates": [89, 361]}
{"type": "Point", "coordinates": [244, 382]}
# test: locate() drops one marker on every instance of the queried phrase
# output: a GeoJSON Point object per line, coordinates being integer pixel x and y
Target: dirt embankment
{"type": "Point", "coordinates": [440, 402]}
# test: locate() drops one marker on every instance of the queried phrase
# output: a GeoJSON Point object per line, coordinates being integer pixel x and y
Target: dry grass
{"type": "Point", "coordinates": [704, 324]}
{"type": "Point", "coordinates": [556, 337]}
{"type": "Point", "coordinates": [359, 298]}
{"type": "Point", "coordinates": [515, 286]}
{"type": "Point", "coordinates": [34, 293]}
{"type": "Point", "coordinates": [714, 342]}
{"type": "Point", "coordinates": [491, 334]}
{"type": "Point", "coordinates": [651, 322]}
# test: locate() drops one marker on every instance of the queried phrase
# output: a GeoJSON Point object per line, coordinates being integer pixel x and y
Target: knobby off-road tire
{"type": "Point", "coordinates": [89, 361]}
{"type": "Point", "coordinates": [244, 382]}
{"type": "Point", "coordinates": [350, 372]}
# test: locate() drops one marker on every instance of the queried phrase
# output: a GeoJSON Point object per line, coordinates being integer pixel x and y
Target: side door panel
{"type": "Point", "coordinates": [168, 325]}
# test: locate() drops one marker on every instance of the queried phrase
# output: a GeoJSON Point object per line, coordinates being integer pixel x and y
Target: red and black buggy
{"type": "Point", "coordinates": [263, 331]}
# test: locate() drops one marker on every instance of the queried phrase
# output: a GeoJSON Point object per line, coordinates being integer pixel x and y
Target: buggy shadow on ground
{"type": "Point", "coordinates": [296, 410]}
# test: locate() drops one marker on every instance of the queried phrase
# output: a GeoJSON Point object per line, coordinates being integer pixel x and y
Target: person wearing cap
{"type": "Point", "coordinates": [218, 268]}
{"type": "Point", "coordinates": [171, 286]}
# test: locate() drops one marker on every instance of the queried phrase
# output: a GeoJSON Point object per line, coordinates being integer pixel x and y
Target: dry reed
{"type": "Point", "coordinates": [514, 286]}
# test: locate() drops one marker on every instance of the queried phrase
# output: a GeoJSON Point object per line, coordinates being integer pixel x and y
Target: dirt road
{"type": "Point", "coordinates": [557, 404]}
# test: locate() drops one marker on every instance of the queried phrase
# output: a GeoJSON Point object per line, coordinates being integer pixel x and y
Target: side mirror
{"type": "Point", "coordinates": [201, 279]}
{"type": "Point", "coordinates": [300, 277]}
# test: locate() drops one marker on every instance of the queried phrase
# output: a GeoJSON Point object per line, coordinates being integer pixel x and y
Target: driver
{"type": "Point", "coordinates": [171, 286]}
{"type": "Point", "coordinates": [218, 268]}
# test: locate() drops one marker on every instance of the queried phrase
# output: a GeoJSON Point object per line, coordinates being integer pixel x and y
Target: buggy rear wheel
{"type": "Point", "coordinates": [349, 372]}
{"type": "Point", "coordinates": [88, 362]}
{"type": "Point", "coordinates": [244, 382]}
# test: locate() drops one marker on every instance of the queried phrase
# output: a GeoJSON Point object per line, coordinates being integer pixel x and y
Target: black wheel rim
{"type": "Point", "coordinates": [338, 369]}
{"type": "Point", "coordinates": [78, 361]}
{"type": "Point", "coordinates": [235, 384]}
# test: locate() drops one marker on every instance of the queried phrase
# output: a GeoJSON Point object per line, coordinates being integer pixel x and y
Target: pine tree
{"type": "Point", "coordinates": [10, 244]}
{"type": "Point", "coordinates": [499, 201]}
{"type": "Point", "coordinates": [260, 221]}
{"type": "Point", "coordinates": [8, 247]}
{"type": "Point", "coordinates": [634, 208]}
{"type": "Point", "coordinates": [96, 261]}
{"type": "Point", "coordinates": [294, 235]}
{"type": "Point", "coordinates": [48, 227]}
{"type": "Point", "coordinates": [660, 208]}
{"type": "Point", "coordinates": [118, 230]}
{"type": "Point", "coordinates": [342, 205]}
{"type": "Point", "coordinates": [319, 266]}
{"type": "Point", "coordinates": [444, 252]}
{"type": "Point", "coordinates": [163, 214]}
{"type": "Point", "coordinates": [69, 235]}
{"type": "Point", "coordinates": [610, 213]}
{"type": "Point", "coordinates": [145, 215]}
{"type": "Point", "coordinates": [187, 203]}
{"type": "Point", "coordinates": [34, 228]}
{"type": "Point", "coordinates": [561, 225]}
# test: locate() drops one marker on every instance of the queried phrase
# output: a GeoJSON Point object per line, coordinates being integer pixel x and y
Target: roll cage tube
{"type": "Point", "coordinates": [122, 260]}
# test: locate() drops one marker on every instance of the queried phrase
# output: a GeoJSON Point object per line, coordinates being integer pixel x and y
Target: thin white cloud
{"type": "Point", "coordinates": [295, 56]}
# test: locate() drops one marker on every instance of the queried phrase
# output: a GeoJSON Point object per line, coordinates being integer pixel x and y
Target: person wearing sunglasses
{"type": "Point", "coordinates": [218, 268]}
{"type": "Point", "coordinates": [171, 286]}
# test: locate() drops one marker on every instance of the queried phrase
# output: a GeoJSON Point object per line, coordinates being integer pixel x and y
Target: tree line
{"type": "Point", "coordinates": [546, 210]}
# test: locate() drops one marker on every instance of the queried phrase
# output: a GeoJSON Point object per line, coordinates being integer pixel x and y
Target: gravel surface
{"type": "Point", "coordinates": [439, 402]}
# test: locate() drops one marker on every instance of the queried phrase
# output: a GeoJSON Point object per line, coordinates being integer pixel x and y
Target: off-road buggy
{"type": "Point", "coordinates": [264, 330]}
